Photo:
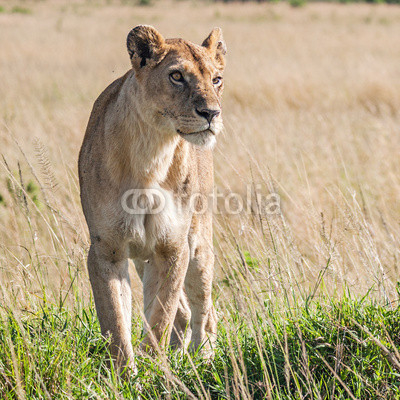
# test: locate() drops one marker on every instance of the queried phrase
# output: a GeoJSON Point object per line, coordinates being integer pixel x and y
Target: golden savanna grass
{"type": "Point", "coordinates": [311, 110]}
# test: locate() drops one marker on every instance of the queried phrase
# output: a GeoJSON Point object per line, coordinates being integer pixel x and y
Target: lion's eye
{"type": "Point", "coordinates": [176, 76]}
{"type": "Point", "coordinates": [217, 81]}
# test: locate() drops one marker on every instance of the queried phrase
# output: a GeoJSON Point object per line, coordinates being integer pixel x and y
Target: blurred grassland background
{"type": "Point", "coordinates": [311, 111]}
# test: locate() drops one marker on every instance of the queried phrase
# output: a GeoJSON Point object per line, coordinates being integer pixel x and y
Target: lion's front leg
{"type": "Point", "coordinates": [110, 283]}
{"type": "Point", "coordinates": [162, 287]}
{"type": "Point", "coordinates": [198, 285]}
{"type": "Point", "coordinates": [181, 331]}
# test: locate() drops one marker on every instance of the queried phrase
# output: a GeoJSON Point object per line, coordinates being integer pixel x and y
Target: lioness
{"type": "Point", "coordinates": [154, 128]}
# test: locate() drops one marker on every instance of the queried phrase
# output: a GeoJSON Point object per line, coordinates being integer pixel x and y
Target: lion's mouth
{"type": "Point", "coordinates": [204, 131]}
{"type": "Point", "coordinates": [203, 138]}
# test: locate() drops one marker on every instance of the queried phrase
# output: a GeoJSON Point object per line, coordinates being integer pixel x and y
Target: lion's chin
{"type": "Point", "coordinates": [204, 138]}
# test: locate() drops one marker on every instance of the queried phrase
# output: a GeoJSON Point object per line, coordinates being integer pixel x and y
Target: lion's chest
{"type": "Point", "coordinates": [151, 216]}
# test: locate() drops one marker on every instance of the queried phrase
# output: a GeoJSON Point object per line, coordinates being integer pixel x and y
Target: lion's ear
{"type": "Point", "coordinates": [145, 46]}
{"type": "Point", "coordinates": [215, 44]}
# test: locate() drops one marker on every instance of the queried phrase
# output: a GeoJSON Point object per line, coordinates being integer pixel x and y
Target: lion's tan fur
{"type": "Point", "coordinates": [138, 137]}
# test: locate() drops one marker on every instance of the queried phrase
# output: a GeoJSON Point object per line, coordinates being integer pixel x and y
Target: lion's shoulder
{"type": "Point", "coordinates": [108, 96]}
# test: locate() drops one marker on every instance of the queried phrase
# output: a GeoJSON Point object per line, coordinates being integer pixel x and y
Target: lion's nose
{"type": "Point", "coordinates": [208, 113]}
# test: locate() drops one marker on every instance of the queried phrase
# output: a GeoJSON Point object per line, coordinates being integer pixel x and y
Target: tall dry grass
{"type": "Point", "coordinates": [311, 110]}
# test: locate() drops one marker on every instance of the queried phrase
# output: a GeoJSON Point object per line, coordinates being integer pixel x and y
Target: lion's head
{"type": "Point", "coordinates": [179, 84]}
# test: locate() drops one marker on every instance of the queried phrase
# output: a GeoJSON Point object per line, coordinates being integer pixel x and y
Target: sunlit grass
{"type": "Point", "coordinates": [320, 348]}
